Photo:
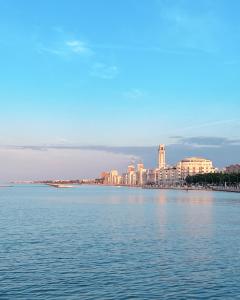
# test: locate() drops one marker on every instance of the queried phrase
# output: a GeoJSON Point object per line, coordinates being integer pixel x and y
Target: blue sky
{"type": "Point", "coordinates": [118, 73]}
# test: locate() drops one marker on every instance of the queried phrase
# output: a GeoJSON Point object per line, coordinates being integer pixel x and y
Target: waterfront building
{"type": "Point", "coordinates": [131, 175]}
{"type": "Point", "coordinates": [131, 178]}
{"type": "Point", "coordinates": [233, 169]}
{"type": "Point", "coordinates": [140, 174]}
{"type": "Point", "coordinates": [105, 176]}
{"type": "Point", "coordinates": [140, 166]}
{"type": "Point", "coordinates": [161, 157]}
{"type": "Point", "coordinates": [119, 179]}
{"type": "Point", "coordinates": [114, 177]}
{"type": "Point", "coordinates": [194, 165]}
{"type": "Point", "coordinates": [124, 178]}
{"type": "Point", "coordinates": [150, 176]}
{"type": "Point", "coordinates": [130, 168]}
{"type": "Point", "coordinates": [169, 175]}
{"type": "Point", "coordinates": [188, 166]}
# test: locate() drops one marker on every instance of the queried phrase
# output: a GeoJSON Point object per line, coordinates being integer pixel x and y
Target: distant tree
{"type": "Point", "coordinates": [214, 179]}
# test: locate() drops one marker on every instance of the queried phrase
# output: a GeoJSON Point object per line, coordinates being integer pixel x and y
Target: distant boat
{"type": "Point", "coordinates": [60, 185]}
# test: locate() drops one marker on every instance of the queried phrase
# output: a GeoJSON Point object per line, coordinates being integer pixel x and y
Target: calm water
{"type": "Point", "coordinates": [118, 243]}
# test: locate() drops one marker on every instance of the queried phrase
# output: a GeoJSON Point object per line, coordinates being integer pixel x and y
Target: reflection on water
{"type": "Point", "coordinates": [162, 197]}
{"type": "Point", "coordinates": [194, 223]}
{"type": "Point", "coordinates": [118, 243]}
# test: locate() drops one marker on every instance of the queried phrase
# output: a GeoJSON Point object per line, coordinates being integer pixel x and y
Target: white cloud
{"type": "Point", "coordinates": [78, 47]}
{"type": "Point", "coordinates": [104, 71]}
{"type": "Point", "coordinates": [66, 48]}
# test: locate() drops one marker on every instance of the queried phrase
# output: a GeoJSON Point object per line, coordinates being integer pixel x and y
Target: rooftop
{"type": "Point", "coordinates": [194, 159]}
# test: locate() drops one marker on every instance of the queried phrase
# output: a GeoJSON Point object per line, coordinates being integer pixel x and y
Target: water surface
{"type": "Point", "coordinates": [118, 243]}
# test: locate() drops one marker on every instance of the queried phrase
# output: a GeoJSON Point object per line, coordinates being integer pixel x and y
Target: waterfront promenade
{"type": "Point", "coordinates": [229, 189]}
{"type": "Point", "coordinates": [194, 188]}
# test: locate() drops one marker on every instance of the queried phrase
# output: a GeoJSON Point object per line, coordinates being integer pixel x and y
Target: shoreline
{"type": "Point", "coordinates": [213, 189]}
{"type": "Point", "coordinates": [147, 187]}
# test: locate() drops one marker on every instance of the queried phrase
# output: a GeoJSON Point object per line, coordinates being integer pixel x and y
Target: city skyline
{"type": "Point", "coordinates": [162, 173]}
{"type": "Point", "coordinates": [89, 85]}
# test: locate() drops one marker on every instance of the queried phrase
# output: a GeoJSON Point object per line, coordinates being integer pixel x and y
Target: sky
{"type": "Point", "coordinates": [91, 85]}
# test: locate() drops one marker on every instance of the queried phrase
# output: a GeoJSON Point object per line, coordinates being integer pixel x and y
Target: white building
{"type": "Point", "coordinates": [188, 166]}
{"type": "Point", "coordinates": [194, 165]}
{"type": "Point", "coordinates": [113, 178]}
{"type": "Point", "coordinates": [140, 174]}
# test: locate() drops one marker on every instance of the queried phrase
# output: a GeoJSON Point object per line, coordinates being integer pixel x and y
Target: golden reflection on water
{"type": "Point", "coordinates": [162, 198]}
{"type": "Point", "coordinates": [196, 197]}
{"type": "Point", "coordinates": [193, 210]}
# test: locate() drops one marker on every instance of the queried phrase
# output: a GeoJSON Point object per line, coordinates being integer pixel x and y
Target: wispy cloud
{"type": "Point", "coordinates": [129, 150]}
{"type": "Point", "coordinates": [79, 47]}
{"type": "Point", "coordinates": [58, 51]}
{"type": "Point", "coordinates": [215, 148]}
{"type": "Point", "coordinates": [209, 124]}
{"type": "Point", "coordinates": [151, 48]}
{"type": "Point", "coordinates": [66, 48]}
{"type": "Point", "coordinates": [134, 94]}
{"type": "Point", "coordinates": [104, 71]}
{"type": "Point", "coordinates": [65, 45]}
{"type": "Point", "coordinates": [198, 29]}
{"type": "Point", "coordinates": [206, 141]}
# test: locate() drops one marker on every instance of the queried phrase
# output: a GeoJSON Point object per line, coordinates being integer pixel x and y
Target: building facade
{"type": "Point", "coordinates": [161, 157]}
{"type": "Point", "coordinates": [194, 165]}
{"type": "Point", "coordinates": [233, 169]}
{"type": "Point", "coordinates": [114, 177]}
{"type": "Point", "coordinates": [169, 175]}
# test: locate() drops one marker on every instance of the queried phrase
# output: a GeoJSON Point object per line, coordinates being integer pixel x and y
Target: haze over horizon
{"type": "Point", "coordinates": [87, 86]}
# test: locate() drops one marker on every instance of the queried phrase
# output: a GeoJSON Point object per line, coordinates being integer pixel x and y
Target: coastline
{"type": "Point", "coordinates": [149, 187]}
{"type": "Point", "coordinates": [210, 189]}
{"type": "Point", "coordinates": [184, 188]}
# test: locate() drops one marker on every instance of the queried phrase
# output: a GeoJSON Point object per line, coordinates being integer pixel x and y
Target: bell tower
{"type": "Point", "coordinates": [161, 157]}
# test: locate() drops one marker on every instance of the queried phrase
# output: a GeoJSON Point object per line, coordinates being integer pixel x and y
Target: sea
{"type": "Point", "coordinates": [99, 242]}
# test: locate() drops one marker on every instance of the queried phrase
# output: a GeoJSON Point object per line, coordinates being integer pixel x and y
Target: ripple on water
{"type": "Point", "coordinates": [106, 243]}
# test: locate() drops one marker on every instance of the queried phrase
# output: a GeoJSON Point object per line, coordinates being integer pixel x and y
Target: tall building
{"type": "Point", "coordinates": [114, 177]}
{"type": "Point", "coordinates": [140, 166]}
{"type": "Point", "coordinates": [161, 157]}
{"type": "Point", "coordinates": [140, 173]}
{"type": "Point", "coordinates": [131, 168]}
{"type": "Point", "coordinates": [131, 175]}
